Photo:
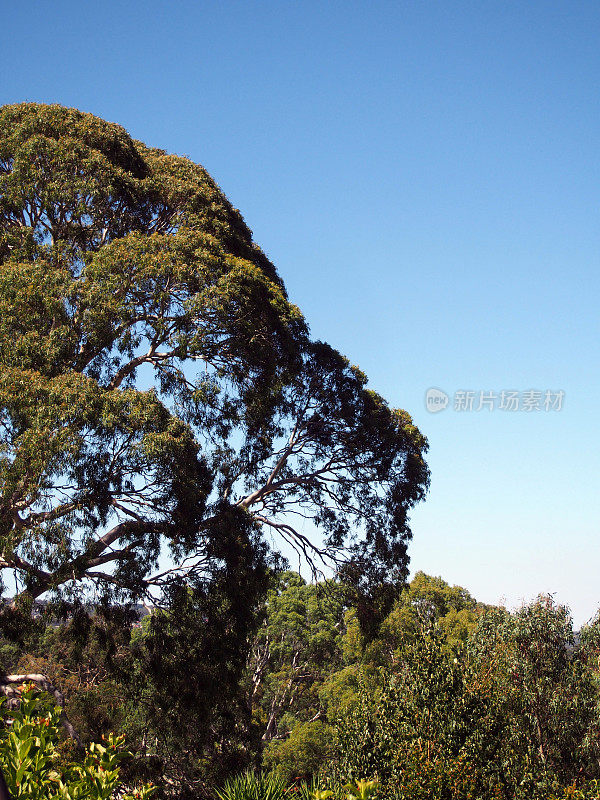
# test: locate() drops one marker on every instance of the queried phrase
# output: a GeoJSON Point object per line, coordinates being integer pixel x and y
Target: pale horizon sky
{"type": "Point", "coordinates": [425, 177]}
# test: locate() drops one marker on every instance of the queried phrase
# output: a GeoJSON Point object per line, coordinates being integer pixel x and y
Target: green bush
{"type": "Point", "coordinates": [32, 764]}
{"type": "Point", "coordinates": [510, 715]}
{"type": "Point", "coordinates": [271, 786]}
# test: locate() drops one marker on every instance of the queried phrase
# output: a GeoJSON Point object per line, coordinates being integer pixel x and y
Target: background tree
{"type": "Point", "coordinates": [296, 650]}
{"type": "Point", "coordinates": [511, 713]}
{"type": "Point", "coordinates": [427, 602]}
{"type": "Point", "coordinates": [541, 683]}
{"type": "Point", "coordinates": [310, 659]}
{"type": "Point", "coordinates": [87, 654]}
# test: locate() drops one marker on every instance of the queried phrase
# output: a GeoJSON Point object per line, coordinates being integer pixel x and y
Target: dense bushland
{"type": "Point", "coordinates": [451, 699]}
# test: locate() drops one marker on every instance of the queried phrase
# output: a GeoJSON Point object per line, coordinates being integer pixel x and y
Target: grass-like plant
{"type": "Point", "coordinates": [254, 786]}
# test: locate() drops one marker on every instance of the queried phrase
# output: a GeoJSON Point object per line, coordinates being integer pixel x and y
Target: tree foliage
{"type": "Point", "coordinates": [295, 650]}
{"type": "Point", "coordinates": [512, 713]}
{"type": "Point", "coordinates": [155, 378]}
{"type": "Point", "coordinates": [506, 711]}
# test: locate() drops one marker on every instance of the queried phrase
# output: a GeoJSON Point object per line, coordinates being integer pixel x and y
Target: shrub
{"type": "Point", "coordinates": [34, 768]}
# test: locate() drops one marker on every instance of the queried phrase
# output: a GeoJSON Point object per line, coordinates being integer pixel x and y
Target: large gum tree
{"type": "Point", "coordinates": [162, 407]}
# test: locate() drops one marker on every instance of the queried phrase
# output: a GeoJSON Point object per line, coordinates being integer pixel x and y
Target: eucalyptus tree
{"type": "Point", "coordinates": [159, 393]}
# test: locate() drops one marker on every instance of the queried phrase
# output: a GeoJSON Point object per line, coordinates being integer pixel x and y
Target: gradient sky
{"type": "Point", "coordinates": [425, 176]}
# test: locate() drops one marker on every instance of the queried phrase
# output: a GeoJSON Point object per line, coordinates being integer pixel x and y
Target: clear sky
{"type": "Point", "coordinates": [425, 176]}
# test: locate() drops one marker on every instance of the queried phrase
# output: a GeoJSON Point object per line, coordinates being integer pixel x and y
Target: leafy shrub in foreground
{"type": "Point", "coordinates": [32, 764]}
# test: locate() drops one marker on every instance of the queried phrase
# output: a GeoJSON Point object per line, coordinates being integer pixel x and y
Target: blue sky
{"type": "Point", "coordinates": [425, 176]}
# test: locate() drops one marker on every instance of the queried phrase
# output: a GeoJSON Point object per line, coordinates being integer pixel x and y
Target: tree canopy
{"type": "Point", "coordinates": [160, 396]}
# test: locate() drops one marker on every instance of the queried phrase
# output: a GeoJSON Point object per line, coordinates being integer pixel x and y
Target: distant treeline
{"type": "Point", "coordinates": [445, 698]}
